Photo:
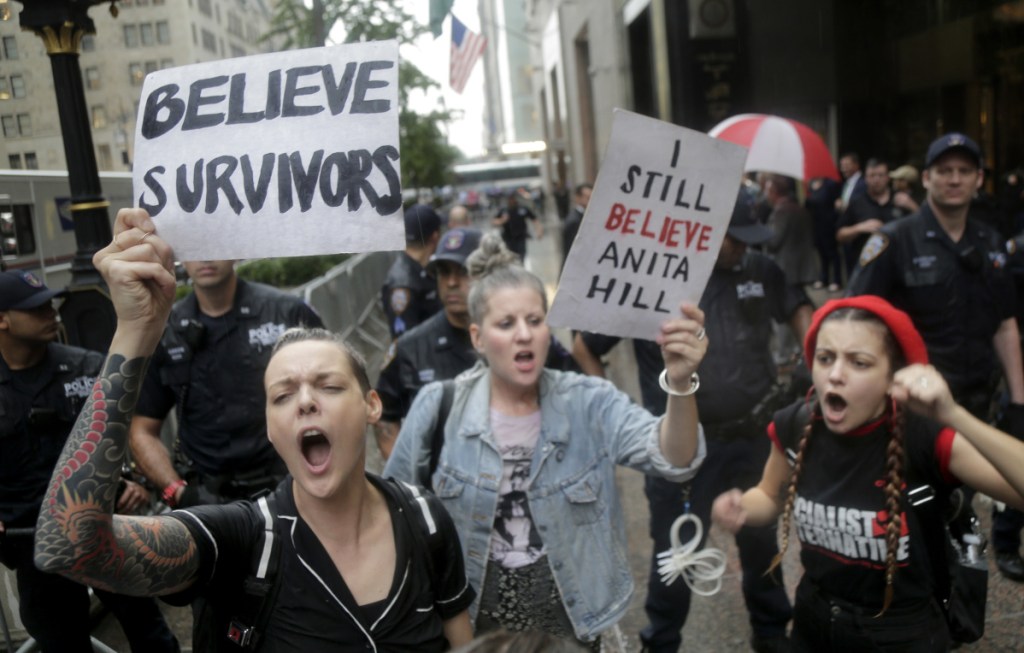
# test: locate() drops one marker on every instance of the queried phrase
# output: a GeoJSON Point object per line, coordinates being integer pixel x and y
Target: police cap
{"type": "Point", "coordinates": [23, 291]}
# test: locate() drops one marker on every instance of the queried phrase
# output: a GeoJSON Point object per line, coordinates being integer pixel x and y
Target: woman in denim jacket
{"type": "Point", "coordinates": [527, 470]}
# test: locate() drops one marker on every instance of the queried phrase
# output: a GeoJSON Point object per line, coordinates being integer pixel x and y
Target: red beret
{"type": "Point", "coordinates": [899, 323]}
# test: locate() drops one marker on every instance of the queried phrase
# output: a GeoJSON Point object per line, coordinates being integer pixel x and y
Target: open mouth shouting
{"type": "Point", "coordinates": [834, 407]}
{"type": "Point", "coordinates": [525, 361]}
{"type": "Point", "coordinates": [316, 449]}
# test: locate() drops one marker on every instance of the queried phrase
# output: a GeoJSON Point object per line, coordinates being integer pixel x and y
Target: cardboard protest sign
{"type": "Point", "coordinates": [281, 154]}
{"type": "Point", "coordinates": [652, 231]}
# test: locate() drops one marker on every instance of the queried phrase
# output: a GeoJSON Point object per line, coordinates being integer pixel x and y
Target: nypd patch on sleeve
{"type": "Point", "coordinates": [877, 244]}
{"type": "Point", "coordinates": [399, 300]}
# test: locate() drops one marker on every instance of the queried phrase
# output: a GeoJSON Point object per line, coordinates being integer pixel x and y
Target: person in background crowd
{"type": "Point", "coordinates": [853, 182]}
{"type": "Point", "coordinates": [879, 423]}
{"type": "Point", "coordinates": [949, 273]}
{"type": "Point", "coordinates": [359, 563]}
{"type": "Point", "coordinates": [792, 248]}
{"type": "Point", "coordinates": [821, 197]}
{"type": "Point", "coordinates": [853, 186]}
{"type": "Point", "coordinates": [905, 192]}
{"type": "Point", "coordinates": [868, 212]}
{"type": "Point", "coordinates": [736, 399]}
{"type": "Point", "coordinates": [581, 198]}
{"type": "Point", "coordinates": [409, 293]}
{"type": "Point", "coordinates": [561, 196]}
{"type": "Point", "coordinates": [440, 348]}
{"type": "Point", "coordinates": [458, 216]}
{"type": "Point", "coordinates": [208, 367]}
{"type": "Point", "coordinates": [512, 220]}
{"type": "Point", "coordinates": [527, 464]}
{"type": "Point", "coordinates": [43, 385]}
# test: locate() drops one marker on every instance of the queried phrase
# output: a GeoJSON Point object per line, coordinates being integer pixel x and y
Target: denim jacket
{"type": "Point", "coordinates": [587, 428]}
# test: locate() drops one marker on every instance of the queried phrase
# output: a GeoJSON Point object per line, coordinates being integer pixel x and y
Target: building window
{"type": "Point", "coordinates": [131, 36]}
{"type": "Point", "coordinates": [146, 34]}
{"type": "Point", "coordinates": [166, 63]}
{"type": "Point", "coordinates": [237, 51]}
{"type": "Point", "coordinates": [163, 32]}
{"type": "Point", "coordinates": [15, 161]}
{"type": "Point", "coordinates": [92, 78]}
{"type": "Point", "coordinates": [89, 43]}
{"type": "Point", "coordinates": [195, 39]}
{"type": "Point", "coordinates": [209, 41]}
{"type": "Point", "coordinates": [9, 125]}
{"type": "Point", "coordinates": [5, 90]}
{"type": "Point", "coordinates": [99, 116]}
{"type": "Point", "coordinates": [104, 159]}
{"type": "Point", "coordinates": [235, 25]}
{"type": "Point", "coordinates": [31, 162]}
{"type": "Point", "coordinates": [10, 47]}
{"type": "Point", "coordinates": [24, 124]}
{"type": "Point", "coordinates": [17, 86]}
{"type": "Point", "coordinates": [135, 73]}
{"type": "Point", "coordinates": [152, 67]}
{"type": "Point", "coordinates": [158, 3]}
{"type": "Point", "coordinates": [205, 9]}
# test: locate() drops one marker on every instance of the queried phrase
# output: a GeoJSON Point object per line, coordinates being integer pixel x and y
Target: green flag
{"type": "Point", "coordinates": [438, 10]}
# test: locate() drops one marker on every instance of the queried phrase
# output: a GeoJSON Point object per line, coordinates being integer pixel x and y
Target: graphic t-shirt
{"type": "Point", "coordinates": [840, 513]}
{"type": "Point", "coordinates": [515, 541]}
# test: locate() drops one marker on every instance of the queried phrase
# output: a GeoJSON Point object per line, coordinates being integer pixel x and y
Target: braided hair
{"type": "Point", "coordinates": [894, 459]}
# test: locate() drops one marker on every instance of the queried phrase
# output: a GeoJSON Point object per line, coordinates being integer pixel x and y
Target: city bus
{"type": "Point", "coordinates": [36, 229]}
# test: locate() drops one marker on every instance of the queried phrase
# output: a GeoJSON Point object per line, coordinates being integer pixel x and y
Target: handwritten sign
{"type": "Point", "coordinates": [282, 154]}
{"type": "Point", "coordinates": [652, 230]}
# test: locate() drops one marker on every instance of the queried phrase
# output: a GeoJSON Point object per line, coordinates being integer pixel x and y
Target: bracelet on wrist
{"type": "Point", "coordinates": [170, 491]}
{"type": "Point", "coordinates": [694, 384]}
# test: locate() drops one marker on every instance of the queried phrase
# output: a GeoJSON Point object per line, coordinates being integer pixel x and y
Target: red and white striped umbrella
{"type": "Point", "coordinates": [778, 145]}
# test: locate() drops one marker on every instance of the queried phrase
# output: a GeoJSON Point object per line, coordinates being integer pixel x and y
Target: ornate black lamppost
{"type": "Point", "coordinates": [87, 314]}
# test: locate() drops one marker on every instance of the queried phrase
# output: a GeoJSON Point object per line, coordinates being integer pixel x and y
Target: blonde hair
{"type": "Point", "coordinates": [495, 267]}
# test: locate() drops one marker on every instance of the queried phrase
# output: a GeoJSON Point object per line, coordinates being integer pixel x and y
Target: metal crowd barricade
{"type": "Point", "coordinates": [348, 301]}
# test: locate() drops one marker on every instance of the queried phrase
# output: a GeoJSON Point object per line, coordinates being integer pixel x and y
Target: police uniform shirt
{"type": "Point", "coordinates": [433, 351]}
{"type": "Point", "coordinates": [409, 295]}
{"type": "Point", "coordinates": [38, 408]}
{"type": "Point", "coordinates": [957, 294]}
{"type": "Point", "coordinates": [314, 610]}
{"type": "Point", "coordinates": [216, 365]}
{"type": "Point", "coordinates": [737, 370]}
{"type": "Point", "coordinates": [515, 229]}
{"type": "Point", "coordinates": [863, 208]}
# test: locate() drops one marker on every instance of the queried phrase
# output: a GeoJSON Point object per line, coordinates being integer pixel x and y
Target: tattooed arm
{"type": "Point", "coordinates": [77, 534]}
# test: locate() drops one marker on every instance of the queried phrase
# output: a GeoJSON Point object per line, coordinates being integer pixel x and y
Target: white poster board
{"type": "Point", "coordinates": [652, 230]}
{"type": "Point", "coordinates": [283, 154]}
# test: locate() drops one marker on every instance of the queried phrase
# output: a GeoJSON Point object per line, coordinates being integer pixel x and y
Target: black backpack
{"type": "Point", "coordinates": [216, 630]}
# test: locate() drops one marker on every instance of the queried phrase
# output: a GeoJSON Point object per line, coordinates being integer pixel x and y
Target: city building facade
{"type": "Point", "coordinates": [144, 36]}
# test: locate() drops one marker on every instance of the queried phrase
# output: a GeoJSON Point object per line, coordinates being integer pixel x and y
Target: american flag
{"type": "Point", "coordinates": [467, 46]}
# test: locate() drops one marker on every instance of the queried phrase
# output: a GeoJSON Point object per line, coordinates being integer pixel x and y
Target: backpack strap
{"type": "Point", "coordinates": [426, 535]}
{"type": "Point", "coordinates": [437, 437]}
{"type": "Point", "coordinates": [260, 588]}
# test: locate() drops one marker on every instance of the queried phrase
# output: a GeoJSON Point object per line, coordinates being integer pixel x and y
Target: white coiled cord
{"type": "Point", "coordinates": [701, 570]}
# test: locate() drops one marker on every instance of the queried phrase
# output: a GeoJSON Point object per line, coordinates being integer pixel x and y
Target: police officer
{"type": "Point", "coordinates": [738, 394]}
{"type": "Point", "coordinates": [512, 220]}
{"type": "Point", "coordinates": [42, 388]}
{"type": "Point", "coordinates": [949, 273]}
{"type": "Point", "coordinates": [440, 348]}
{"type": "Point", "coordinates": [409, 293]}
{"type": "Point", "coordinates": [210, 367]}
